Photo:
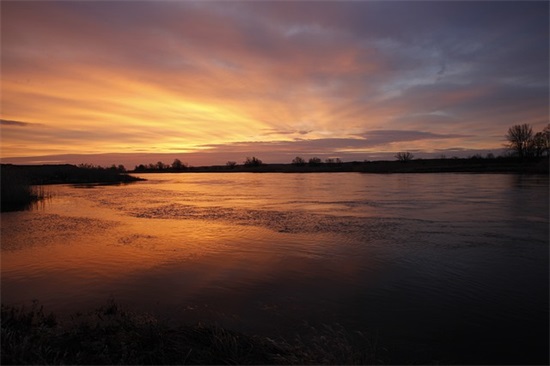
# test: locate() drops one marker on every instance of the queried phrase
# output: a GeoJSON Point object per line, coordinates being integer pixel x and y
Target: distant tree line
{"type": "Point", "coordinates": [404, 156]}
{"type": "Point", "coordinates": [522, 143]}
{"type": "Point", "coordinates": [252, 162]}
{"type": "Point", "coordinates": [299, 161]}
{"type": "Point", "coordinates": [177, 165]}
{"type": "Point", "coordinates": [118, 168]}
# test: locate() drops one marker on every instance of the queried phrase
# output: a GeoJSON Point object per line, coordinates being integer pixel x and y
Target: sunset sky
{"type": "Point", "coordinates": [128, 82]}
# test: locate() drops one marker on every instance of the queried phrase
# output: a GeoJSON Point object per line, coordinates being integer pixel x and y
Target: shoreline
{"type": "Point", "coordinates": [22, 185]}
{"type": "Point", "coordinates": [421, 166]}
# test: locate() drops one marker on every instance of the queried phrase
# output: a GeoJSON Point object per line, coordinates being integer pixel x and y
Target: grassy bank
{"type": "Point", "coordinates": [21, 185]}
{"type": "Point", "coordinates": [66, 174]}
{"type": "Point", "coordinates": [17, 193]}
{"type": "Point", "coordinates": [112, 335]}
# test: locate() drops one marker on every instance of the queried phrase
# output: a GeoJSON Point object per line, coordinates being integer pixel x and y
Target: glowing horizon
{"type": "Point", "coordinates": [209, 80]}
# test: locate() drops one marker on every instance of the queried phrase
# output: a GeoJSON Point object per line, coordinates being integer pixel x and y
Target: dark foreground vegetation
{"type": "Point", "coordinates": [21, 185]}
{"type": "Point", "coordinates": [475, 164]}
{"type": "Point", "coordinates": [67, 174]}
{"type": "Point", "coordinates": [16, 191]}
{"type": "Point", "coordinates": [111, 335]}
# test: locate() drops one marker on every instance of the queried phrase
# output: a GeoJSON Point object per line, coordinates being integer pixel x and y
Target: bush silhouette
{"type": "Point", "coordinates": [404, 156]}
{"type": "Point", "coordinates": [252, 162]}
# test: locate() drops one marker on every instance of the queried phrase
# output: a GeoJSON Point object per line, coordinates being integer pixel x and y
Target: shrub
{"type": "Point", "coordinates": [16, 191]}
{"type": "Point", "coordinates": [252, 162]}
{"type": "Point", "coordinates": [314, 161]}
{"type": "Point", "coordinates": [404, 156]}
{"type": "Point", "coordinates": [299, 161]}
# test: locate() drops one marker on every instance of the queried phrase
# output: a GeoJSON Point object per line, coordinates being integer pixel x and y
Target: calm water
{"type": "Point", "coordinates": [450, 267]}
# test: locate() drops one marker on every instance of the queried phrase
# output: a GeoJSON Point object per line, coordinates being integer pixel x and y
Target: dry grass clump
{"type": "Point", "coordinates": [16, 191]}
{"type": "Point", "coordinates": [112, 335]}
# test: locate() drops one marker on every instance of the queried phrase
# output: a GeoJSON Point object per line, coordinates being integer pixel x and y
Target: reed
{"type": "Point", "coordinates": [113, 335]}
{"type": "Point", "coordinates": [16, 191]}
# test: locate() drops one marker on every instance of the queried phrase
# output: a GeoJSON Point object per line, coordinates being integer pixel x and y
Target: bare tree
{"type": "Point", "coordinates": [298, 161]}
{"type": "Point", "coordinates": [333, 161]}
{"type": "Point", "coordinates": [546, 140]}
{"type": "Point", "coordinates": [314, 161]}
{"type": "Point", "coordinates": [231, 164]}
{"type": "Point", "coordinates": [404, 156]}
{"type": "Point", "coordinates": [541, 142]}
{"type": "Point", "coordinates": [178, 165]}
{"type": "Point", "coordinates": [254, 161]}
{"type": "Point", "coordinates": [520, 139]}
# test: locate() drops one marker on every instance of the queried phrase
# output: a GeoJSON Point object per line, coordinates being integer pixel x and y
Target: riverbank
{"type": "Point", "coordinates": [472, 165]}
{"type": "Point", "coordinates": [21, 185]}
{"type": "Point", "coordinates": [16, 191]}
{"type": "Point", "coordinates": [65, 174]}
{"type": "Point", "coordinates": [115, 336]}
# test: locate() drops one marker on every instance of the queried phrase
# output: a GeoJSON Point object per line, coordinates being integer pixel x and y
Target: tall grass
{"type": "Point", "coordinates": [113, 335]}
{"type": "Point", "coordinates": [16, 191]}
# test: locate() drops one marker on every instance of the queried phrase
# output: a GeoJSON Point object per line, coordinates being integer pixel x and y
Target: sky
{"type": "Point", "coordinates": [130, 82]}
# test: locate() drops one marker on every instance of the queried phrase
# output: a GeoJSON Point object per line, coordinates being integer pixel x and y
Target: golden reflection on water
{"type": "Point", "coordinates": [272, 251]}
{"type": "Point", "coordinates": [87, 244]}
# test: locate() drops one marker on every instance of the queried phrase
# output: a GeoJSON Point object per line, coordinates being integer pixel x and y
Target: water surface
{"type": "Point", "coordinates": [449, 267]}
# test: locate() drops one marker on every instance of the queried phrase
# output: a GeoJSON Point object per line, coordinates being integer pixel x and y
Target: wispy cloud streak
{"type": "Point", "coordinates": [189, 76]}
{"type": "Point", "coordinates": [5, 122]}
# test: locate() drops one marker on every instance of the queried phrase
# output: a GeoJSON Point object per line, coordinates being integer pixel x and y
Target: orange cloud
{"type": "Point", "coordinates": [179, 76]}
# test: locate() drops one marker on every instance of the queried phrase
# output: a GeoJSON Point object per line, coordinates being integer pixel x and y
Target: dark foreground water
{"type": "Point", "coordinates": [433, 267]}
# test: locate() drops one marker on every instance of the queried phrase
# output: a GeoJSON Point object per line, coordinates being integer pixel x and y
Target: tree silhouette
{"type": "Point", "coordinates": [314, 161]}
{"type": "Point", "coordinates": [541, 142]}
{"type": "Point", "coordinates": [333, 161]}
{"type": "Point", "coordinates": [254, 161]}
{"type": "Point", "coordinates": [520, 139]}
{"type": "Point", "coordinates": [177, 164]}
{"type": "Point", "coordinates": [298, 161]}
{"type": "Point", "coordinates": [404, 156]}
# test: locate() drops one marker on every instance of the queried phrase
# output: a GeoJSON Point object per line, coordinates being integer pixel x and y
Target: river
{"type": "Point", "coordinates": [431, 267]}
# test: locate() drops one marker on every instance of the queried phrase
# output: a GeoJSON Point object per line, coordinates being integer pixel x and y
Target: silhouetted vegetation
{"type": "Point", "coordinates": [331, 161]}
{"type": "Point", "coordinates": [115, 168]}
{"type": "Point", "coordinates": [404, 156]}
{"type": "Point", "coordinates": [176, 166]}
{"type": "Point", "coordinates": [113, 335]}
{"type": "Point", "coordinates": [314, 161]}
{"type": "Point", "coordinates": [17, 193]}
{"type": "Point", "coordinates": [71, 174]}
{"type": "Point", "coordinates": [474, 164]}
{"type": "Point", "coordinates": [299, 161]}
{"type": "Point", "coordinates": [528, 154]}
{"type": "Point", "coordinates": [541, 142]}
{"type": "Point", "coordinates": [21, 184]}
{"type": "Point", "coordinates": [524, 144]}
{"type": "Point", "coordinates": [252, 162]}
